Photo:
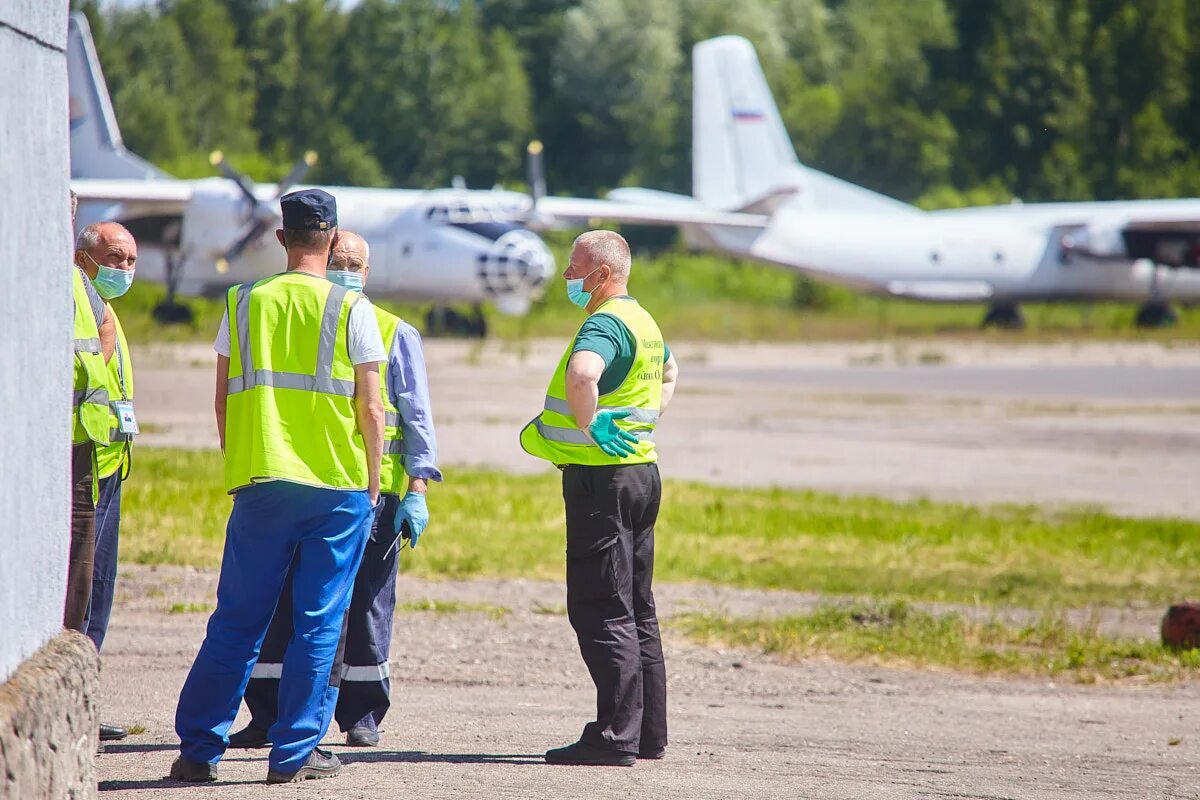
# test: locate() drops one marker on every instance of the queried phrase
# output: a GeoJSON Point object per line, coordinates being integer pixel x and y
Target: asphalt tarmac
{"type": "Point", "coordinates": [1115, 426]}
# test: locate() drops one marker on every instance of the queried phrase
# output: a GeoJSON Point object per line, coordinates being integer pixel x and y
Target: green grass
{"type": "Point", "coordinates": [706, 297]}
{"type": "Point", "coordinates": [190, 608]}
{"type": "Point", "coordinates": [896, 634]}
{"type": "Point", "coordinates": [452, 607]}
{"type": "Point", "coordinates": [491, 523]}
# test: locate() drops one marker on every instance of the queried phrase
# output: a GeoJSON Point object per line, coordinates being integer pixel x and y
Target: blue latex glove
{"type": "Point", "coordinates": [413, 511]}
{"type": "Point", "coordinates": [608, 437]}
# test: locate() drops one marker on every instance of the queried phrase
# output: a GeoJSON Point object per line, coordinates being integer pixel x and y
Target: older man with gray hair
{"type": "Point", "coordinates": [597, 425]}
{"type": "Point", "coordinates": [106, 254]}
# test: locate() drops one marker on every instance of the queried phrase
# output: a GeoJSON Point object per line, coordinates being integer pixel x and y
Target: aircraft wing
{"type": "Point", "coordinates": [581, 211]}
{"type": "Point", "coordinates": [166, 197]}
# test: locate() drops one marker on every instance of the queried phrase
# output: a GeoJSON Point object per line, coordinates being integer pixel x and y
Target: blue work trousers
{"type": "Point", "coordinates": [104, 564]}
{"type": "Point", "coordinates": [273, 524]}
{"type": "Point", "coordinates": [365, 693]}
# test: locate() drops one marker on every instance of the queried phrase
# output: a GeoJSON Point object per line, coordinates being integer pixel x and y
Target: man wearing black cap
{"type": "Point", "coordinates": [301, 424]}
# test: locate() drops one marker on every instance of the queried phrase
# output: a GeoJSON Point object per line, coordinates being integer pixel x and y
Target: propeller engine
{"type": "Point", "coordinates": [261, 215]}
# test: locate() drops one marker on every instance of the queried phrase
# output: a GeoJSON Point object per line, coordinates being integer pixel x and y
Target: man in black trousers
{"type": "Point", "coordinates": [597, 424]}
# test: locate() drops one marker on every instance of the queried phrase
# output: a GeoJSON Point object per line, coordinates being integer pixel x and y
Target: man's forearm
{"type": "Point", "coordinates": [371, 424]}
{"type": "Point", "coordinates": [582, 398]}
{"type": "Point", "coordinates": [221, 396]}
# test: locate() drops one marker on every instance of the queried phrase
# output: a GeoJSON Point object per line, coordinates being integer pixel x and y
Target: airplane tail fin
{"type": "Point", "coordinates": [96, 147]}
{"type": "Point", "coordinates": [742, 156]}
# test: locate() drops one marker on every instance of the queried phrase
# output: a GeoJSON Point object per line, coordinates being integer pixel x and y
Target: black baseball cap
{"type": "Point", "coordinates": [308, 210]}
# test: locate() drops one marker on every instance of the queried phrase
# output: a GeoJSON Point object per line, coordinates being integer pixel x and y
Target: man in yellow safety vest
{"type": "Point", "coordinates": [107, 254]}
{"type": "Point", "coordinates": [301, 423]}
{"type": "Point", "coordinates": [409, 462]}
{"type": "Point", "coordinates": [597, 424]}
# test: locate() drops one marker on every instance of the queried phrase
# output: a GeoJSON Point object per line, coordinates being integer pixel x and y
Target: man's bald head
{"type": "Point", "coordinates": [351, 253]}
{"type": "Point", "coordinates": [604, 248]}
{"type": "Point", "coordinates": [105, 243]}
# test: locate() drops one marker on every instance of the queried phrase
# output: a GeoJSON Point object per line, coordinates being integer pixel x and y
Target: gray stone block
{"type": "Point", "coordinates": [49, 723]}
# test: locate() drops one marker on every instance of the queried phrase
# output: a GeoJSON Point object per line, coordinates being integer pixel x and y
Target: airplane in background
{"type": "Point", "coordinates": [780, 211]}
{"type": "Point", "coordinates": [444, 246]}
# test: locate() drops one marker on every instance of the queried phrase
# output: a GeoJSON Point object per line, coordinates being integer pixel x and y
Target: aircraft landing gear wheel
{"type": "Point", "coordinates": [1156, 314]}
{"type": "Point", "coordinates": [442, 321]}
{"type": "Point", "coordinates": [1005, 316]}
{"type": "Point", "coordinates": [172, 313]}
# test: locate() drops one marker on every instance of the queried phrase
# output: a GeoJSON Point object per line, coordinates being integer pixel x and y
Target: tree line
{"type": "Point", "coordinates": [938, 102]}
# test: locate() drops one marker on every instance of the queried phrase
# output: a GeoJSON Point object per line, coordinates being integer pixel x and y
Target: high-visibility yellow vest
{"type": "Point", "coordinates": [554, 435]}
{"type": "Point", "coordinates": [290, 409]}
{"type": "Point", "coordinates": [392, 479]}
{"type": "Point", "coordinates": [89, 390]}
{"type": "Point", "coordinates": [114, 454]}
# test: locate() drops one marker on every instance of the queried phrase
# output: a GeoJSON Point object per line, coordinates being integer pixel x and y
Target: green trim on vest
{"type": "Point", "coordinates": [290, 411]}
{"type": "Point", "coordinates": [553, 434]}
{"type": "Point", "coordinates": [89, 388]}
{"type": "Point", "coordinates": [392, 479]}
{"type": "Point", "coordinates": [114, 454]}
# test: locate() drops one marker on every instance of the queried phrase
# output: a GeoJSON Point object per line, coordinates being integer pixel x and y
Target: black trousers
{"type": "Point", "coordinates": [611, 513]}
{"type": "Point", "coordinates": [83, 538]}
{"type": "Point", "coordinates": [361, 666]}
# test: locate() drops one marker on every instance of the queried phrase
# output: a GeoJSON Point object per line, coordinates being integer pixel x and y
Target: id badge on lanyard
{"type": "Point", "coordinates": [126, 419]}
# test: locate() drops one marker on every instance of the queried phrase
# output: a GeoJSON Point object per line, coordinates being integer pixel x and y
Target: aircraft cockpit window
{"type": "Point", "coordinates": [463, 214]}
{"type": "Point", "coordinates": [488, 230]}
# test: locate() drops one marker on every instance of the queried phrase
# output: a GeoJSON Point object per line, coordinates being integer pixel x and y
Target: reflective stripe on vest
{"type": "Point", "coordinates": [648, 416]}
{"type": "Point", "coordinates": [89, 393]}
{"type": "Point", "coordinates": [553, 434]}
{"type": "Point", "coordinates": [113, 456]}
{"type": "Point", "coordinates": [575, 435]}
{"type": "Point", "coordinates": [290, 411]}
{"type": "Point", "coordinates": [322, 381]}
{"type": "Point", "coordinates": [392, 478]}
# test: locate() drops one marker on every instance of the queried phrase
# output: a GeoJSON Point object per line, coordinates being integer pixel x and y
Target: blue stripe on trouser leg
{"type": "Point", "coordinates": [270, 523]}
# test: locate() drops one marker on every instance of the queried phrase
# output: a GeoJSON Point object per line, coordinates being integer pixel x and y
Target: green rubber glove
{"type": "Point", "coordinates": [608, 437]}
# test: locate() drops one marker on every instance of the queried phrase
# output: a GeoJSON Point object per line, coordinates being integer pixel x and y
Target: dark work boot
{"type": "Point", "coordinates": [190, 771]}
{"type": "Point", "coordinates": [586, 755]}
{"type": "Point", "coordinates": [248, 737]}
{"type": "Point", "coordinates": [320, 764]}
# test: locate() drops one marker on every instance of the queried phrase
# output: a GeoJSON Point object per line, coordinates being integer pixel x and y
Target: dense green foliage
{"type": "Point", "coordinates": [940, 102]}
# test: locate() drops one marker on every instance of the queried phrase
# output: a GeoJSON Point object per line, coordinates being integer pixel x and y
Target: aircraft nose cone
{"type": "Point", "coordinates": [518, 261]}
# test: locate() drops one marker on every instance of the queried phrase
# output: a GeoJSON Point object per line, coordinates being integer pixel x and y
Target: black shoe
{"type": "Point", "coordinates": [319, 764]}
{"type": "Point", "coordinates": [652, 755]}
{"type": "Point", "coordinates": [362, 736]}
{"type": "Point", "coordinates": [584, 754]}
{"type": "Point", "coordinates": [190, 771]}
{"type": "Point", "coordinates": [111, 733]}
{"type": "Point", "coordinates": [250, 736]}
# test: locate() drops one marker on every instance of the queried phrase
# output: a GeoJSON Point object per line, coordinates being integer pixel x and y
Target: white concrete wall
{"type": "Point", "coordinates": [35, 326]}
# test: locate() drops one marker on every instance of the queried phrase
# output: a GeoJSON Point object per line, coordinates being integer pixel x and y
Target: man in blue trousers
{"type": "Point", "coordinates": [409, 462]}
{"type": "Point", "coordinates": [301, 424]}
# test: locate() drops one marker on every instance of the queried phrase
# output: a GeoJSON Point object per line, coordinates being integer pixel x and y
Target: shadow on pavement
{"type": "Point", "coordinates": [165, 783]}
{"type": "Point", "coordinates": [137, 748]}
{"type": "Point", "coordinates": [420, 757]}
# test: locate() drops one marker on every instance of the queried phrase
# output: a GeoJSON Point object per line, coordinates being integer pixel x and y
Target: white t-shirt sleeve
{"type": "Point", "coordinates": [222, 345]}
{"type": "Point", "coordinates": [363, 338]}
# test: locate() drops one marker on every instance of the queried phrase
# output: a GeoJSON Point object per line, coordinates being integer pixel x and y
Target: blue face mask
{"type": "Point", "coordinates": [575, 292]}
{"type": "Point", "coordinates": [111, 282]}
{"type": "Point", "coordinates": [351, 280]}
